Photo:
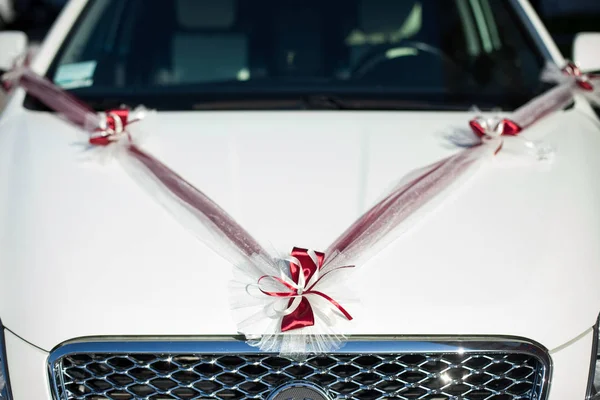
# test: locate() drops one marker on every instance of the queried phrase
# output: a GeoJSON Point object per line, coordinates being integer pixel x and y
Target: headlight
{"type": "Point", "coordinates": [594, 384]}
{"type": "Point", "coordinates": [4, 383]}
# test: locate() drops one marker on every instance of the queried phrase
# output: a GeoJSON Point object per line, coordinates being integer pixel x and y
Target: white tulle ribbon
{"type": "Point", "coordinates": [492, 127]}
{"type": "Point", "coordinates": [569, 81]}
{"type": "Point", "coordinates": [20, 65]}
{"type": "Point", "coordinates": [258, 314]}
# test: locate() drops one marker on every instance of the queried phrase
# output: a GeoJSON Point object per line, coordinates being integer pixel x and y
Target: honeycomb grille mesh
{"type": "Point", "coordinates": [436, 376]}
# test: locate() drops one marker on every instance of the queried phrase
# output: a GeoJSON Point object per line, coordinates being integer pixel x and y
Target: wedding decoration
{"type": "Point", "coordinates": [290, 304]}
{"type": "Point", "coordinates": [21, 62]}
{"type": "Point", "coordinates": [569, 81]}
{"type": "Point", "coordinates": [588, 84]}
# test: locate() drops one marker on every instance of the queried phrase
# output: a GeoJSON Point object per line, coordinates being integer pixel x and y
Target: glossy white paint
{"type": "Point", "coordinates": [87, 236]}
{"type": "Point", "coordinates": [586, 51]}
{"type": "Point", "coordinates": [27, 365]}
{"type": "Point", "coordinates": [86, 252]}
{"type": "Point", "coordinates": [571, 369]}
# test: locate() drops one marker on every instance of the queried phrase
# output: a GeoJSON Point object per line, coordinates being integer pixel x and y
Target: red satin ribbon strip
{"type": "Point", "coordinates": [306, 263]}
{"type": "Point", "coordinates": [374, 218]}
{"type": "Point", "coordinates": [335, 303]}
{"type": "Point", "coordinates": [302, 316]}
{"type": "Point", "coordinates": [509, 127]}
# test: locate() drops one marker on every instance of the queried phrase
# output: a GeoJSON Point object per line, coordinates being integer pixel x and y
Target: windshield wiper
{"type": "Point", "coordinates": [329, 102]}
{"type": "Point", "coordinates": [374, 103]}
{"type": "Point", "coordinates": [288, 101]}
{"type": "Point", "coordinates": [97, 105]}
{"type": "Point", "coordinates": [276, 102]}
{"type": "Point", "coordinates": [325, 102]}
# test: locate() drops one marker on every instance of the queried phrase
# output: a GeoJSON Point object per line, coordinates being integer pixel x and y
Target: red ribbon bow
{"type": "Point", "coordinates": [116, 122]}
{"type": "Point", "coordinates": [582, 80]}
{"type": "Point", "coordinates": [483, 128]}
{"type": "Point", "coordinates": [305, 276]}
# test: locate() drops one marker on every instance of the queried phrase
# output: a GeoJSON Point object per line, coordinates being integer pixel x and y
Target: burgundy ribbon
{"type": "Point", "coordinates": [481, 128]}
{"type": "Point", "coordinates": [507, 127]}
{"type": "Point", "coordinates": [362, 235]}
{"type": "Point", "coordinates": [20, 62]}
{"type": "Point", "coordinates": [303, 315]}
{"type": "Point", "coordinates": [116, 122]}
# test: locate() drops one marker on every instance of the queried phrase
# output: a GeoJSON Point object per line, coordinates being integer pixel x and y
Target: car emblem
{"type": "Point", "coordinates": [299, 391]}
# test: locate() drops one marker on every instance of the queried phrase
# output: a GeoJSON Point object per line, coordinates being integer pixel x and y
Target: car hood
{"type": "Point", "coordinates": [86, 252]}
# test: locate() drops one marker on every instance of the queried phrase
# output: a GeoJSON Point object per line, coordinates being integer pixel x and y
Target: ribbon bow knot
{"type": "Point", "coordinates": [582, 80]}
{"type": "Point", "coordinates": [11, 77]}
{"type": "Point", "coordinates": [113, 125]}
{"type": "Point", "coordinates": [305, 274]}
{"type": "Point", "coordinates": [490, 128]}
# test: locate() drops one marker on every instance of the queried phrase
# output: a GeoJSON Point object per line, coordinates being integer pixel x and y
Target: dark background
{"type": "Point", "coordinates": [564, 18]}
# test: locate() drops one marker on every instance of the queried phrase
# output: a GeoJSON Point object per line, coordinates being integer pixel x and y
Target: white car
{"type": "Point", "coordinates": [295, 116]}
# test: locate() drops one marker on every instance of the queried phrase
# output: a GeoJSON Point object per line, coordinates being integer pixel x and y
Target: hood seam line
{"type": "Point", "coordinates": [570, 342]}
{"type": "Point", "coordinates": [27, 341]}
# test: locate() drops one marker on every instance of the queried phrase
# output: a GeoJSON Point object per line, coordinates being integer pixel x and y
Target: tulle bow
{"type": "Point", "coordinates": [494, 127]}
{"type": "Point", "coordinates": [584, 81]}
{"type": "Point", "coordinates": [113, 124]}
{"type": "Point", "coordinates": [586, 84]}
{"type": "Point", "coordinates": [304, 276]}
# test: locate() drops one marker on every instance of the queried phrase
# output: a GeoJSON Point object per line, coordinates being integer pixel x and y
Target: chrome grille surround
{"type": "Point", "coordinates": [433, 368]}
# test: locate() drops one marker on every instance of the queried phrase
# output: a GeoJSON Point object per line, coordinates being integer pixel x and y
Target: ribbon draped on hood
{"type": "Point", "coordinates": [293, 311]}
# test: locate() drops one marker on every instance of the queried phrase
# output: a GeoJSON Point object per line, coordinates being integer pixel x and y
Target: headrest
{"type": "Point", "coordinates": [205, 14]}
{"type": "Point", "coordinates": [387, 16]}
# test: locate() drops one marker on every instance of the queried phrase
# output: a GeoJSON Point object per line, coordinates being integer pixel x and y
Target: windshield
{"type": "Point", "coordinates": [237, 54]}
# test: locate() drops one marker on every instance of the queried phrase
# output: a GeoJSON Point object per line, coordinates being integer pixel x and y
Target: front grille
{"type": "Point", "coordinates": [363, 372]}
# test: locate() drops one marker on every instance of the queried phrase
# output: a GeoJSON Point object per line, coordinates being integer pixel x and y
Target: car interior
{"type": "Point", "coordinates": [425, 45]}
